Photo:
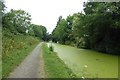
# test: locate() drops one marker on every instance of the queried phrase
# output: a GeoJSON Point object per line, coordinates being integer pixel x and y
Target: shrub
{"type": "Point", "coordinates": [51, 48]}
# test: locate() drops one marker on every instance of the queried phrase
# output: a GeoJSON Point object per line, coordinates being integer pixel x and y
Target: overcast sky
{"type": "Point", "coordinates": [46, 12]}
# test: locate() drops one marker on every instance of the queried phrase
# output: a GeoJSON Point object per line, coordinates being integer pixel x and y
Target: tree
{"type": "Point", "coordinates": [59, 33]}
{"type": "Point", "coordinates": [40, 31]}
{"type": "Point", "coordinates": [17, 21]}
{"type": "Point", "coordinates": [2, 9]}
{"type": "Point", "coordinates": [97, 28]}
{"type": "Point", "coordinates": [102, 21]}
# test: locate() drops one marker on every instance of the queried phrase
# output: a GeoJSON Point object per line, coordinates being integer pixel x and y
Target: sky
{"type": "Point", "coordinates": [46, 12]}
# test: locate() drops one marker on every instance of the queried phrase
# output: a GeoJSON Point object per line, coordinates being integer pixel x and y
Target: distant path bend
{"type": "Point", "coordinates": [31, 67]}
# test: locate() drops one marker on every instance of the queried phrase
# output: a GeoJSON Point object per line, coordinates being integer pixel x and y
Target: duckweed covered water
{"type": "Point", "coordinates": [87, 63]}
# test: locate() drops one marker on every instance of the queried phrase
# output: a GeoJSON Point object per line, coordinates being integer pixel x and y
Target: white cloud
{"type": "Point", "coordinates": [46, 12]}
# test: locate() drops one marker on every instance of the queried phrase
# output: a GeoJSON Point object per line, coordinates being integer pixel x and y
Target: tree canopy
{"type": "Point", "coordinates": [19, 22]}
{"type": "Point", "coordinates": [97, 28]}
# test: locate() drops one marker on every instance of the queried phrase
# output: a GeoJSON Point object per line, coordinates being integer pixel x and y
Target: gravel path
{"type": "Point", "coordinates": [31, 67]}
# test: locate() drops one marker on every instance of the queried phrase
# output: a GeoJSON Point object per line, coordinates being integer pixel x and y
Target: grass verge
{"type": "Point", "coordinates": [54, 66]}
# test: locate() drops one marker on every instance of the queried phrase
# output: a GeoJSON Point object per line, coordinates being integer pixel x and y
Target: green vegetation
{"type": "Point", "coordinates": [0, 53]}
{"type": "Point", "coordinates": [18, 22]}
{"type": "Point", "coordinates": [54, 67]}
{"type": "Point", "coordinates": [15, 49]}
{"type": "Point", "coordinates": [1, 9]}
{"type": "Point", "coordinates": [51, 48]}
{"type": "Point", "coordinates": [19, 37]}
{"type": "Point", "coordinates": [96, 28]}
{"type": "Point", "coordinates": [88, 63]}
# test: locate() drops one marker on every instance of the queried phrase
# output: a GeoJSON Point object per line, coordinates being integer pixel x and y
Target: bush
{"type": "Point", "coordinates": [51, 48]}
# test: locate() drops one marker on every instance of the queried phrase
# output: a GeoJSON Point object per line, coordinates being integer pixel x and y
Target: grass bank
{"type": "Point", "coordinates": [14, 49]}
{"type": "Point", "coordinates": [54, 66]}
